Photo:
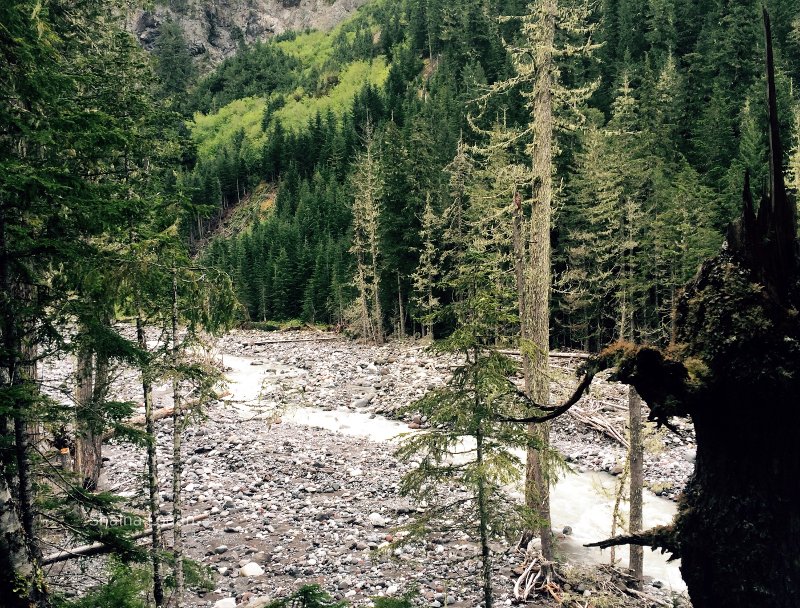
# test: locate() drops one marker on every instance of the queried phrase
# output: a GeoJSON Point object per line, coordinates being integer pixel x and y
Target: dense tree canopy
{"type": "Point", "coordinates": [647, 185]}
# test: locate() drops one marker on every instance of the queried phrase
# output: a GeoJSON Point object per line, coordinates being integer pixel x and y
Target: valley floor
{"type": "Point", "coordinates": [295, 466]}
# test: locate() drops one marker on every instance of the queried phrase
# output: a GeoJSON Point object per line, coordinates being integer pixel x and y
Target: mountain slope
{"type": "Point", "coordinates": [214, 29]}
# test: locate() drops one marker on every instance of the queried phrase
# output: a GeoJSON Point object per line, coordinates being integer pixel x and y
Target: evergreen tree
{"type": "Point", "coordinates": [460, 172]}
{"type": "Point", "coordinates": [465, 416]}
{"type": "Point", "coordinates": [538, 60]}
{"type": "Point", "coordinates": [424, 277]}
{"type": "Point", "coordinates": [794, 162]}
{"type": "Point", "coordinates": [367, 188]}
{"type": "Point", "coordinates": [174, 66]}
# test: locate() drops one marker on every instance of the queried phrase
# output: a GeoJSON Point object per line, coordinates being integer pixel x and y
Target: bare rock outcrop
{"type": "Point", "coordinates": [214, 29]}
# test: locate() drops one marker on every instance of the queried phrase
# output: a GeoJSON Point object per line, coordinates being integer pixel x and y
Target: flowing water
{"type": "Point", "coordinates": [584, 501]}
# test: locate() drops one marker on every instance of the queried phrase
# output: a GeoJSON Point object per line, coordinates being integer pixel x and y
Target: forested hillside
{"type": "Point", "coordinates": [649, 171]}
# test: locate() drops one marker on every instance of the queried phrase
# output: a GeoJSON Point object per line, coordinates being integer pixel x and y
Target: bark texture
{"type": "Point", "coordinates": [152, 472]}
{"type": "Point", "coordinates": [636, 560]}
{"type": "Point", "coordinates": [21, 580]}
{"type": "Point", "coordinates": [90, 390]}
{"type": "Point", "coordinates": [21, 583]}
{"type": "Point", "coordinates": [535, 304]}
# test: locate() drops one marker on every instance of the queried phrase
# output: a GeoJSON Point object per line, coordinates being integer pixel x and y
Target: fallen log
{"type": "Point", "coordinates": [599, 424]}
{"type": "Point", "coordinates": [553, 354]}
{"type": "Point", "coordinates": [100, 548]}
{"type": "Point", "coordinates": [268, 342]}
{"type": "Point", "coordinates": [164, 412]}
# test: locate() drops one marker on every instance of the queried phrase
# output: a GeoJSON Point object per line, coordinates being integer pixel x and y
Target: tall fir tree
{"type": "Point", "coordinates": [541, 61]}
{"type": "Point", "coordinates": [367, 187]}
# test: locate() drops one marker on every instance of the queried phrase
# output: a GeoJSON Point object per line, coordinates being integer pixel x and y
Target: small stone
{"type": "Point", "coordinates": [567, 531]}
{"type": "Point", "coordinates": [363, 402]}
{"type": "Point", "coordinates": [228, 602]}
{"type": "Point", "coordinates": [221, 549]}
{"type": "Point", "coordinates": [377, 520]}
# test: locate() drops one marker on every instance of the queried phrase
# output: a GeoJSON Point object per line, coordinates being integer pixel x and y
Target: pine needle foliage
{"type": "Point", "coordinates": [467, 458]}
{"type": "Point", "coordinates": [404, 601]}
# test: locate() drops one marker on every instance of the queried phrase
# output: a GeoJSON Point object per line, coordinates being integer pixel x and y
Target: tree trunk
{"type": "Point", "coordinates": [177, 462]}
{"type": "Point", "coordinates": [739, 523]}
{"type": "Point", "coordinates": [89, 395]}
{"type": "Point", "coordinates": [636, 560]}
{"type": "Point", "coordinates": [102, 381]}
{"type": "Point", "coordinates": [535, 308]}
{"type": "Point", "coordinates": [376, 291]}
{"type": "Point", "coordinates": [21, 582]}
{"type": "Point", "coordinates": [483, 524]}
{"type": "Point", "coordinates": [152, 471]}
{"type": "Point", "coordinates": [83, 411]}
{"type": "Point", "coordinates": [737, 531]}
{"type": "Point", "coordinates": [27, 425]}
{"type": "Point", "coordinates": [740, 517]}
{"type": "Point", "coordinates": [402, 311]}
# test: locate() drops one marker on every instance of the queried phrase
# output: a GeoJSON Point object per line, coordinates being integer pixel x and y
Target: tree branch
{"type": "Point", "coordinates": [660, 537]}
{"type": "Point", "coordinates": [554, 412]}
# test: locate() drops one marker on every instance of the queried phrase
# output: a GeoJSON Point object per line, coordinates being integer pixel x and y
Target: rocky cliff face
{"type": "Point", "coordinates": [215, 28]}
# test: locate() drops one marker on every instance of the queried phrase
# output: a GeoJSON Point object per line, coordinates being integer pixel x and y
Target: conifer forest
{"type": "Point", "coordinates": [399, 303]}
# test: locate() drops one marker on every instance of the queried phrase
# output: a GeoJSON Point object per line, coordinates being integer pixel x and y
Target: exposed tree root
{"type": "Point", "coordinates": [539, 577]}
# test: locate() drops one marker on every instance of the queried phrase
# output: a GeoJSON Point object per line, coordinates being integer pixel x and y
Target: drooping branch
{"type": "Point", "coordinates": [664, 384]}
{"type": "Point", "coordinates": [661, 537]}
{"type": "Point", "coordinates": [554, 411]}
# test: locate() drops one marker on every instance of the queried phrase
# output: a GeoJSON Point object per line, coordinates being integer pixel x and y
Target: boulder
{"type": "Point", "coordinates": [251, 569]}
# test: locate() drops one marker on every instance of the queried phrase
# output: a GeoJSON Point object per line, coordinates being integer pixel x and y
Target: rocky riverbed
{"type": "Point", "coordinates": [295, 467]}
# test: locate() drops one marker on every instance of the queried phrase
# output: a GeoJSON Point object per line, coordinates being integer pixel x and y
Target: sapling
{"type": "Point", "coordinates": [467, 459]}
